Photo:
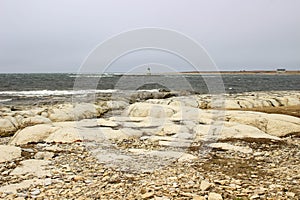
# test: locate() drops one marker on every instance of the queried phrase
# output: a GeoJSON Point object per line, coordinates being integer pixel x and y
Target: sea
{"type": "Point", "coordinates": [32, 88]}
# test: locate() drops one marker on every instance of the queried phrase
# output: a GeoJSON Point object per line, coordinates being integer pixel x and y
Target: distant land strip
{"type": "Point", "coordinates": [244, 72]}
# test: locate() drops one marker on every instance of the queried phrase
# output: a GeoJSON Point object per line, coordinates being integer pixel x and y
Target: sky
{"type": "Point", "coordinates": [58, 35]}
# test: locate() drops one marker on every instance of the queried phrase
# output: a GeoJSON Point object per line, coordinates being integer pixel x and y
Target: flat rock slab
{"type": "Point", "coordinates": [12, 188]}
{"type": "Point", "coordinates": [33, 167]}
{"type": "Point", "coordinates": [229, 147]}
{"type": "Point", "coordinates": [138, 160]}
{"type": "Point", "coordinates": [9, 153]}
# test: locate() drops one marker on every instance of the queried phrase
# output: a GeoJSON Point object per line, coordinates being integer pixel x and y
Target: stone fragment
{"type": "Point", "coordinates": [205, 185]}
{"type": "Point", "coordinates": [214, 196]}
{"type": "Point", "coordinates": [9, 153]}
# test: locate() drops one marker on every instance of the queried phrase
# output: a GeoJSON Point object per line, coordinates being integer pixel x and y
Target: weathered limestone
{"type": "Point", "coordinates": [147, 109]}
{"type": "Point", "coordinates": [230, 131]}
{"type": "Point", "coordinates": [13, 188]}
{"type": "Point", "coordinates": [273, 124]}
{"type": "Point", "coordinates": [30, 121]}
{"type": "Point", "coordinates": [35, 133]}
{"type": "Point", "coordinates": [6, 127]}
{"type": "Point", "coordinates": [64, 135]}
{"type": "Point", "coordinates": [33, 167]}
{"type": "Point", "coordinates": [226, 146]}
{"type": "Point", "coordinates": [70, 113]}
{"type": "Point", "coordinates": [9, 153]}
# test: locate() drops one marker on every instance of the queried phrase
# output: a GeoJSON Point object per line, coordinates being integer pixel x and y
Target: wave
{"type": "Point", "coordinates": [5, 100]}
{"type": "Point", "coordinates": [150, 90]}
{"type": "Point", "coordinates": [40, 93]}
{"type": "Point", "coordinates": [91, 76]}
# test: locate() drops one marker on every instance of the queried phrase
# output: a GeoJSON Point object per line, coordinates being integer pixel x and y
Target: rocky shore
{"type": "Point", "coordinates": [154, 146]}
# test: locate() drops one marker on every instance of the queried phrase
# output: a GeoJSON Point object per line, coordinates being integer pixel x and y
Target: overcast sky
{"type": "Point", "coordinates": [57, 35]}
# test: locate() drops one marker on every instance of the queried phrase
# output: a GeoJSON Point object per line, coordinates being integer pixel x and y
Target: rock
{"type": "Point", "coordinates": [59, 133]}
{"type": "Point", "coordinates": [231, 104]}
{"type": "Point", "coordinates": [47, 181]}
{"type": "Point", "coordinates": [174, 143]}
{"type": "Point", "coordinates": [85, 111]}
{"type": "Point", "coordinates": [149, 110]}
{"type": "Point", "coordinates": [78, 178]}
{"type": "Point", "coordinates": [44, 155]}
{"type": "Point", "coordinates": [12, 188]}
{"type": "Point", "coordinates": [125, 133]}
{"type": "Point", "coordinates": [106, 123]}
{"type": "Point", "coordinates": [35, 192]}
{"type": "Point", "coordinates": [73, 113]}
{"type": "Point", "coordinates": [30, 121]}
{"type": "Point", "coordinates": [273, 124]}
{"type": "Point", "coordinates": [205, 185]}
{"type": "Point", "coordinates": [35, 133]}
{"type": "Point", "coordinates": [6, 127]}
{"type": "Point", "coordinates": [9, 153]}
{"type": "Point", "coordinates": [282, 125]}
{"type": "Point", "coordinates": [290, 194]}
{"type": "Point", "coordinates": [229, 131]}
{"type": "Point", "coordinates": [244, 103]}
{"type": "Point", "coordinates": [172, 129]}
{"type": "Point", "coordinates": [256, 196]}
{"type": "Point", "coordinates": [226, 146]}
{"type": "Point", "coordinates": [198, 198]}
{"type": "Point", "coordinates": [147, 195]}
{"type": "Point", "coordinates": [33, 167]}
{"type": "Point", "coordinates": [187, 158]}
{"type": "Point", "coordinates": [61, 115]}
{"type": "Point", "coordinates": [116, 105]}
{"type": "Point", "coordinates": [214, 196]}
{"type": "Point", "coordinates": [64, 135]}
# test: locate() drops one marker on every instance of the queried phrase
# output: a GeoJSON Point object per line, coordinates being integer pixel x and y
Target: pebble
{"type": "Point", "coordinates": [214, 196]}
{"type": "Point", "coordinates": [205, 185]}
{"type": "Point", "coordinates": [35, 192]}
{"type": "Point", "coordinates": [147, 195]}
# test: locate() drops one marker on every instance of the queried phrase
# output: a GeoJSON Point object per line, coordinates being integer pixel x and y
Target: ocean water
{"type": "Point", "coordinates": [21, 87]}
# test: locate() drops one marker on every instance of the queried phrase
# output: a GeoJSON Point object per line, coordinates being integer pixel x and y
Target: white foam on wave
{"type": "Point", "coordinates": [5, 100]}
{"type": "Point", "coordinates": [37, 93]}
{"type": "Point", "coordinates": [150, 90]}
{"type": "Point", "coordinates": [91, 76]}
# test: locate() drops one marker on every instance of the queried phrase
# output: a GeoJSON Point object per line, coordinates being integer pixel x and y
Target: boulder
{"type": "Point", "coordinates": [229, 130]}
{"type": "Point", "coordinates": [150, 110]}
{"type": "Point", "coordinates": [116, 105]}
{"type": "Point", "coordinates": [30, 121]}
{"type": "Point", "coordinates": [244, 103]}
{"type": "Point", "coordinates": [32, 167]}
{"type": "Point", "coordinates": [72, 113]}
{"type": "Point", "coordinates": [189, 101]}
{"type": "Point", "coordinates": [64, 135]}
{"type": "Point", "coordinates": [35, 133]}
{"type": "Point", "coordinates": [273, 124]}
{"type": "Point", "coordinates": [85, 111]}
{"type": "Point", "coordinates": [231, 104]}
{"type": "Point", "coordinates": [169, 128]}
{"type": "Point", "coordinates": [7, 128]}
{"type": "Point", "coordinates": [229, 147]}
{"type": "Point", "coordinates": [61, 115]}
{"type": "Point", "coordinates": [9, 153]}
{"type": "Point", "coordinates": [214, 196]}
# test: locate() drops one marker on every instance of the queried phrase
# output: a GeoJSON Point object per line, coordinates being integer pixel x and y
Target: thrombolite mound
{"type": "Point", "coordinates": [273, 124]}
{"type": "Point", "coordinates": [141, 139]}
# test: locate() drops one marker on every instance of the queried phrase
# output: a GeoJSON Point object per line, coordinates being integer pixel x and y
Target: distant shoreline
{"type": "Point", "coordinates": [242, 72]}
